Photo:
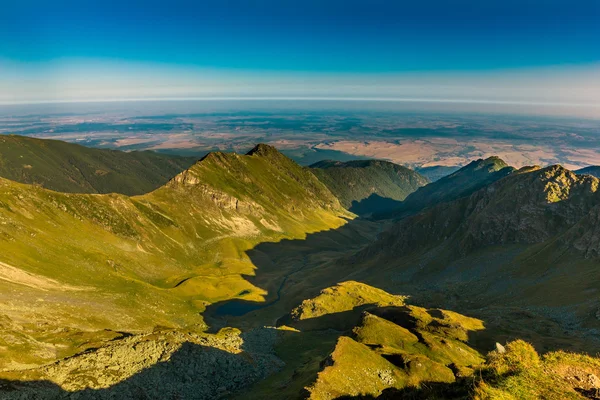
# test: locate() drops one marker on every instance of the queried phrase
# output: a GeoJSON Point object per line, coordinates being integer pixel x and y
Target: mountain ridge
{"type": "Point", "coordinates": [367, 186]}
{"type": "Point", "coordinates": [72, 168]}
{"type": "Point", "coordinates": [153, 259]}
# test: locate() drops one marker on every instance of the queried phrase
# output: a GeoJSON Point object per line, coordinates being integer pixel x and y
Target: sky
{"type": "Point", "coordinates": [527, 51]}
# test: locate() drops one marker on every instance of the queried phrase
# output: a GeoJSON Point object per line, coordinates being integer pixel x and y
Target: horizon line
{"type": "Point", "coordinates": [304, 98]}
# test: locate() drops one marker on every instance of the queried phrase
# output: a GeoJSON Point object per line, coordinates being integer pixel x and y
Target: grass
{"type": "Point", "coordinates": [72, 168]}
{"type": "Point", "coordinates": [357, 180]}
{"type": "Point", "coordinates": [345, 297]}
{"type": "Point", "coordinates": [520, 373]}
{"type": "Point", "coordinates": [131, 263]}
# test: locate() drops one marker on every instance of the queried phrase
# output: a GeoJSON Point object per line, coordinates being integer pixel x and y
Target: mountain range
{"type": "Point", "coordinates": [249, 276]}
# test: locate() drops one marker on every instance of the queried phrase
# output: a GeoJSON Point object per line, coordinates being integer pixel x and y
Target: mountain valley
{"type": "Point", "coordinates": [249, 276]}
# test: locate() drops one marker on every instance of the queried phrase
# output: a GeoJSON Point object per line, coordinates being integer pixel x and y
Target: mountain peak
{"type": "Point", "coordinates": [493, 163]}
{"type": "Point", "coordinates": [264, 150]}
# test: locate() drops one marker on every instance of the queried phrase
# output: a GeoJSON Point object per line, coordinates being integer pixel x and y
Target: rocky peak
{"type": "Point", "coordinates": [525, 208]}
{"type": "Point", "coordinates": [493, 163]}
{"type": "Point", "coordinates": [264, 150]}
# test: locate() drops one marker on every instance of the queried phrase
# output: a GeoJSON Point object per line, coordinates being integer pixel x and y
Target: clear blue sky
{"type": "Point", "coordinates": [45, 44]}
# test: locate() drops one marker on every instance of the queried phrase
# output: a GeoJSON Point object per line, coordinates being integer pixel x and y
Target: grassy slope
{"type": "Point", "coordinates": [504, 253]}
{"type": "Point", "coordinates": [72, 168]}
{"type": "Point", "coordinates": [357, 180]}
{"type": "Point", "coordinates": [131, 263]}
{"type": "Point", "coordinates": [405, 351]}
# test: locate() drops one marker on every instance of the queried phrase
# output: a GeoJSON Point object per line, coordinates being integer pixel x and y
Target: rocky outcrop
{"type": "Point", "coordinates": [527, 207]}
{"type": "Point", "coordinates": [159, 365]}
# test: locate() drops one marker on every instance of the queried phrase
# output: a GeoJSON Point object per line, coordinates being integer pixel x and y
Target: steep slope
{"type": "Point", "coordinates": [523, 249]}
{"type": "Point", "coordinates": [78, 262]}
{"type": "Point", "coordinates": [593, 170]}
{"type": "Point", "coordinates": [530, 206]}
{"type": "Point", "coordinates": [436, 172]}
{"type": "Point", "coordinates": [389, 349]}
{"type": "Point", "coordinates": [362, 181]}
{"type": "Point", "coordinates": [71, 168]}
{"type": "Point", "coordinates": [461, 183]}
{"type": "Point", "coordinates": [386, 348]}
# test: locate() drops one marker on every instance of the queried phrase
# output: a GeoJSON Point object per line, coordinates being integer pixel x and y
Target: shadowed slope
{"type": "Point", "coordinates": [461, 183]}
{"type": "Point", "coordinates": [520, 253]}
{"type": "Point", "coordinates": [355, 181]}
{"type": "Point", "coordinates": [593, 170]}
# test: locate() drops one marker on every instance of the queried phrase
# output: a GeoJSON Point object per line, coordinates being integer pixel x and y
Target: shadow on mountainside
{"type": "Point", "coordinates": [193, 371]}
{"type": "Point", "coordinates": [374, 204]}
{"type": "Point", "coordinates": [196, 371]}
{"type": "Point", "coordinates": [291, 271]}
{"type": "Point", "coordinates": [483, 285]}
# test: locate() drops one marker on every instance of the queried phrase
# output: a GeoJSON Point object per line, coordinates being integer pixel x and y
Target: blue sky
{"type": "Point", "coordinates": [52, 50]}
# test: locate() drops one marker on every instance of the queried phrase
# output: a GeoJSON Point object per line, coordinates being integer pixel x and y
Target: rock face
{"type": "Point", "coordinates": [461, 183]}
{"type": "Point", "coordinates": [160, 365]}
{"type": "Point", "coordinates": [527, 207]}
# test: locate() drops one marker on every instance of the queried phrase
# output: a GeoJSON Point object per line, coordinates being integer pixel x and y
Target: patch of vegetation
{"type": "Point", "coordinates": [355, 181]}
{"type": "Point", "coordinates": [345, 297]}
{"type": "Point", "coordinates": [71, 168]}
{"type": "Point", "coordinates": [110, 261]}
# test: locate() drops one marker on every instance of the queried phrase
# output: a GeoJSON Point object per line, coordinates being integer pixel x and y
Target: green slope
{"type": "Point", "coordinates": [93, 262]}
{"type": "Point", "coordinates": [365, 181]}
{"type": "Point", "coordinates": [388, 349]}
{"type": "Point", "coordinates": [71, 168]}
{"type": "Point", "coordinates": [365, 343]}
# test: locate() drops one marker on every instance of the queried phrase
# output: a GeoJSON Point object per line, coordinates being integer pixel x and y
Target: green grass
{"type": "Point", "coordinates": [357, 180]}
{"type": "Point", "coordinates": [131, 263]}
{"type": "Point", "coordinates": [345, 297]}
{"type": "Point", "coordinates": [72, 168]}
{"type": "Point", "coordinates": [520, 373]}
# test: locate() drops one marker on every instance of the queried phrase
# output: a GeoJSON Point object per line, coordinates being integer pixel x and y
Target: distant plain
{"type": "Point", "coordinates": [310, 131]}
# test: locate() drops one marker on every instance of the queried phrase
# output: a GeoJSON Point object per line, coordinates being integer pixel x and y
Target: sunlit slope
{"type": "Point", "coordinates": [71, 168]}
{"type": "Point", "coordinates": [391, 349]}
{"type": "Point", "coordinates": [131, 263]}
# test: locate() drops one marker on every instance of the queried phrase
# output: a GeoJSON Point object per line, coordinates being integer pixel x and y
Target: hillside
{"type": "Point", "coordinates": [71, 168]}
{"type": "Point", "coordinates": [530, 206]}
{"type": "Point", "coordinates": [593, 170]}
{"type": "Point", "coordinates": [387, 349]}
{"type": "Point", "coordinates": [436, 172]}
{"type": "Point", "coordinates": [76, 263]}
{"type": "Point", "coordinates": [522, 249]}
{"type": "Point", "coordinates": [105, 295]}
{"type": "Point", "coordinates": [355, 340]}
{"type": "Point", "coordinates": [365, 186]}
{"type": "Point", "coordinates": [463, 182]}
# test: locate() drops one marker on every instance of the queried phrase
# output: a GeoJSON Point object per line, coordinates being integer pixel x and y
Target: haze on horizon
{"type": "Point", "coordinates": [539, 55]}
